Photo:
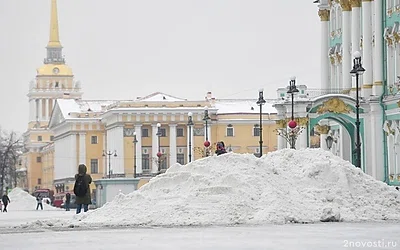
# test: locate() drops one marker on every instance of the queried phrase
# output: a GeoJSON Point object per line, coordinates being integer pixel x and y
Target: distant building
{"type": "Point", "coordinates": [65, 130]}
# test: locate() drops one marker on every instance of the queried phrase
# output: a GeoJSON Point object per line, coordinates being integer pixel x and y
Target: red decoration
{"type": "Point", "coordinates": [159, 154]}
{"type": "Point", "coordinates": [292, 124]}
{"type": "Point", "coordinates": [206, 144]}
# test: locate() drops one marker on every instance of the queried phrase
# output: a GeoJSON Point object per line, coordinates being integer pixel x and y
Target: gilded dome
{"type": "Point", "coordinates": [54, 70]}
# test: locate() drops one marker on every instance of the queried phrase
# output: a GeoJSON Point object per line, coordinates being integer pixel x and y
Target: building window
{"type": "Point", "coordinates": [145, 162]}
{"type": "Point", "coordinates": [57, 84]}
{"type": "Point", "coordinates": [51, 137]}
{"type": "Point", "coordinates": [145, 132]}
{"type": "Point", "coordinates": [39, 138]}
{"type": "Point", "coordinates": [39, 181]}
{"type": "Point", "coordinates": [163, 132]}
{"type": "Point", "coordinates": [94, 166]}
{"type": "Point", "coordinates": [94, 139]}
{"type": "Point", "coordinates": [229, 130]}
{"type": "Point", "coordinates": [179, 132]}
{"type": "Point", "coordinates": [38, 159]}
{"type": "Point", "coordinates": [180, 158]}
{"type": "Point", "coordinates": [256, 130]}
{"type": "Point", "coordinates": [164, 161]}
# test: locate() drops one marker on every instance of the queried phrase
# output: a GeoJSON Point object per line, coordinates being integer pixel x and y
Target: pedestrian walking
{"type": "Point", "coordinates": [39, 200]}
{"type": "Point", "coordinates": [67, 201]}
{"type": "Point", "coordinates": [5, 201]}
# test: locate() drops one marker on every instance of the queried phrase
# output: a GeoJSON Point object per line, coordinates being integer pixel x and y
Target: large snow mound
{"type": "Point", "coordinates": [20, 200]}
{"type": "Point", "coordinates": [309, 185]}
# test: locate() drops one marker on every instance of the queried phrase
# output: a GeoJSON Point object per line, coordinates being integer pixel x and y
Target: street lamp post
{"type": "Point", "coordinates": [134, 153]}
{"type": "Point", "coordinates": [109, 153]}
{"type": "Point", "coordinates": [261, 101]}
{"type": "Point", "coordinates": [206, 118]}
{"type": "Point", "coordinates": [356, 72]}
{"type": "Point", "coordinates": [190, 124]}
{"type": "Point", "coordinates": [159, 154]}
{"type": "Point", "coordinates": [329, 141]}
{"type": "Point", "coordinates": [292, 123]}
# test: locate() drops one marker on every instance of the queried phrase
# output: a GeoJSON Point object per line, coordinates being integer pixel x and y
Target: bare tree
{"type": "Point", "coordinates": [10, 149]}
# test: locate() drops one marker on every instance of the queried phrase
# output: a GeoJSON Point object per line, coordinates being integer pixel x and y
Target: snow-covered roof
{"type": "Point", "coordinates": [160, 97]}
{"type": "Point", "coordinates": [242, 106]}
{"type": "Point", "coordinates": [68, 106]}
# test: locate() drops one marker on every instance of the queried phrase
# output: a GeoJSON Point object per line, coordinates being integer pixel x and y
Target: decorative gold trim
{"type": "Point", "coordinates": [334, 105]}
{"type": "Point", "coordinates": [345, 4]}
{"type": "Point", "coordinates": [281, 123]}
{"type": "Point", "coordinates": [355, 3]}
{"type": "Point", "coordinates": [322, 129]}
{"type": "Point", "coordinates": [367, 0]}
{"type": "Point", "coordinates": [302, 121]}
{"type": "Point", "coordinates": [396, 37]}
{"type": "Point", "coordinates": [332, 59]}
{"type": "Point", "coordinates": [398, 104]}
{"type": "Point", "coordinates": [324, 15]}
{"type": "Point", "coordinates": [378, 83]}
{"type": "Point", "coordinates": [367, 86]}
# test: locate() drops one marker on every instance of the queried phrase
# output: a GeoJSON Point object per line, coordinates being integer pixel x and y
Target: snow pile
{"type": "Point", "coordinates": [309, 185]}
{"type": "Point", "coordinates": [21, 200]}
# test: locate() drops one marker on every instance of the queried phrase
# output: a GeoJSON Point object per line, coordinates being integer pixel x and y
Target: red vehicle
{"type": "Point", "coordinates": [44, 193]}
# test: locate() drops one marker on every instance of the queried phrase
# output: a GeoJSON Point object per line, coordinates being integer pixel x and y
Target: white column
{"type": "Point", "coordinates": [302, 138]}
{"type": "Point", "coordinates": [282, 142]}
{"type": "Point", "coordinates": [367, 48]}
{"type": "Point", "coordinates": [40, 104]}
{"type": "Point", "coordinates": [324, 15]}
{"type": "Point", "coordinates": [172, 144]}
{"type": "Point", "coordinates": [323, 141]}
{"type": "Point", "coordinates": [105, 159]}
{"type": "Point", "coordinates": [346, 43]}
{"type": "Point", "coordinates": [115, 141]}
{"type": "Point", "coordinates": [32, 110]}
{"type": "Point", "coordinates": [378, 170]}
{"type": "Point", "coordinates": [355, 31]}
{"type": "Point", "coordinates": [138, 130]}
{"type": "Point", "coordinates": [377, 88]}
{"type": "Point", "coordinates": [154, 148]}
{"type": "Point", "coordinates": [46, 110]}
{"type": "Point", "coordinates": [82, 148]}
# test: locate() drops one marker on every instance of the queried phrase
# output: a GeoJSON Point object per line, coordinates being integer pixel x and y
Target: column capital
{"type": "Point", "coordinates": [172, 125]}
{"type": "Point", "coordinates": [345, 4]}
{"type": "Point", "coordinates": [324, 15]}
{"type": "Point", "coordinates": [322, 129]}
{"type": "Point", "coordinates": [355, 3]}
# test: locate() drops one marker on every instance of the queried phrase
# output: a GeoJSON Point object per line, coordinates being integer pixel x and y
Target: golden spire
{"type": "Point", "coordinates": [54, 36]}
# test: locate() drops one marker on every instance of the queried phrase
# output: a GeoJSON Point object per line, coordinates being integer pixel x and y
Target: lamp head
{"type": "Point", "coordinates": [357, 54]}
{"type": "Point", "coordinates": [260, 90]}
{"type": "Point", "coordinates": [158, 125]}
{"type": "Point", "coordinates": [190, 114]}
{"type": "Point", "coordinates": [134, 133]}
{"type": "Point", "coordinates": [292, 78]}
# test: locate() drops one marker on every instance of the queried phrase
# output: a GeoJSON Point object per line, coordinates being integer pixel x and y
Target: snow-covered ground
{"type": "Point", "coordinates": [327, 236]}
{"type": "Point", "coordinates": [233, 201]}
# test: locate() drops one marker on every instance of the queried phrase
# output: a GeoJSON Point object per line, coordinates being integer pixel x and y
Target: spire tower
{"type": "Point", "coordinates": [54, 48]}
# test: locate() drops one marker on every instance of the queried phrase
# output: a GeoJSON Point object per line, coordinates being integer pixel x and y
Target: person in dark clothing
{"type": "Point", "coordinates": [67, 201]}
{"type": "Point", "coordinates": [84, 200]}
{"type": "Point", "coordinates": [5, 201]}
{"type": "Point", "coordinates": [397, 188]}
{"type": "Point", "coordinates": [39, 200]}
{"type": "Point", "coordinates": [220, 148]}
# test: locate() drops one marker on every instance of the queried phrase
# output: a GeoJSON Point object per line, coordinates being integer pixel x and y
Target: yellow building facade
{"type": "Point", "coordinates": [127, 138]}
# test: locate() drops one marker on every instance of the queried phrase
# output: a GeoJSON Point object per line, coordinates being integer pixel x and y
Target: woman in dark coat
{"type": "Point", "coordinates": [86, 199]}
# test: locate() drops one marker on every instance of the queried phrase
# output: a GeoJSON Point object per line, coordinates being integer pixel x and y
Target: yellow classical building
{"type": "Point", "coordinates": [127, 138]}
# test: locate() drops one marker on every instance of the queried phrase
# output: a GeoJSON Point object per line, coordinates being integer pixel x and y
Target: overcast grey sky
{"type": "Point", "coordinates": [122, 49]}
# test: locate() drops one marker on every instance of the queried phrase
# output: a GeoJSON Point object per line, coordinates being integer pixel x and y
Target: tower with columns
{"type": "Point", "coordinates": [54, 80]}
